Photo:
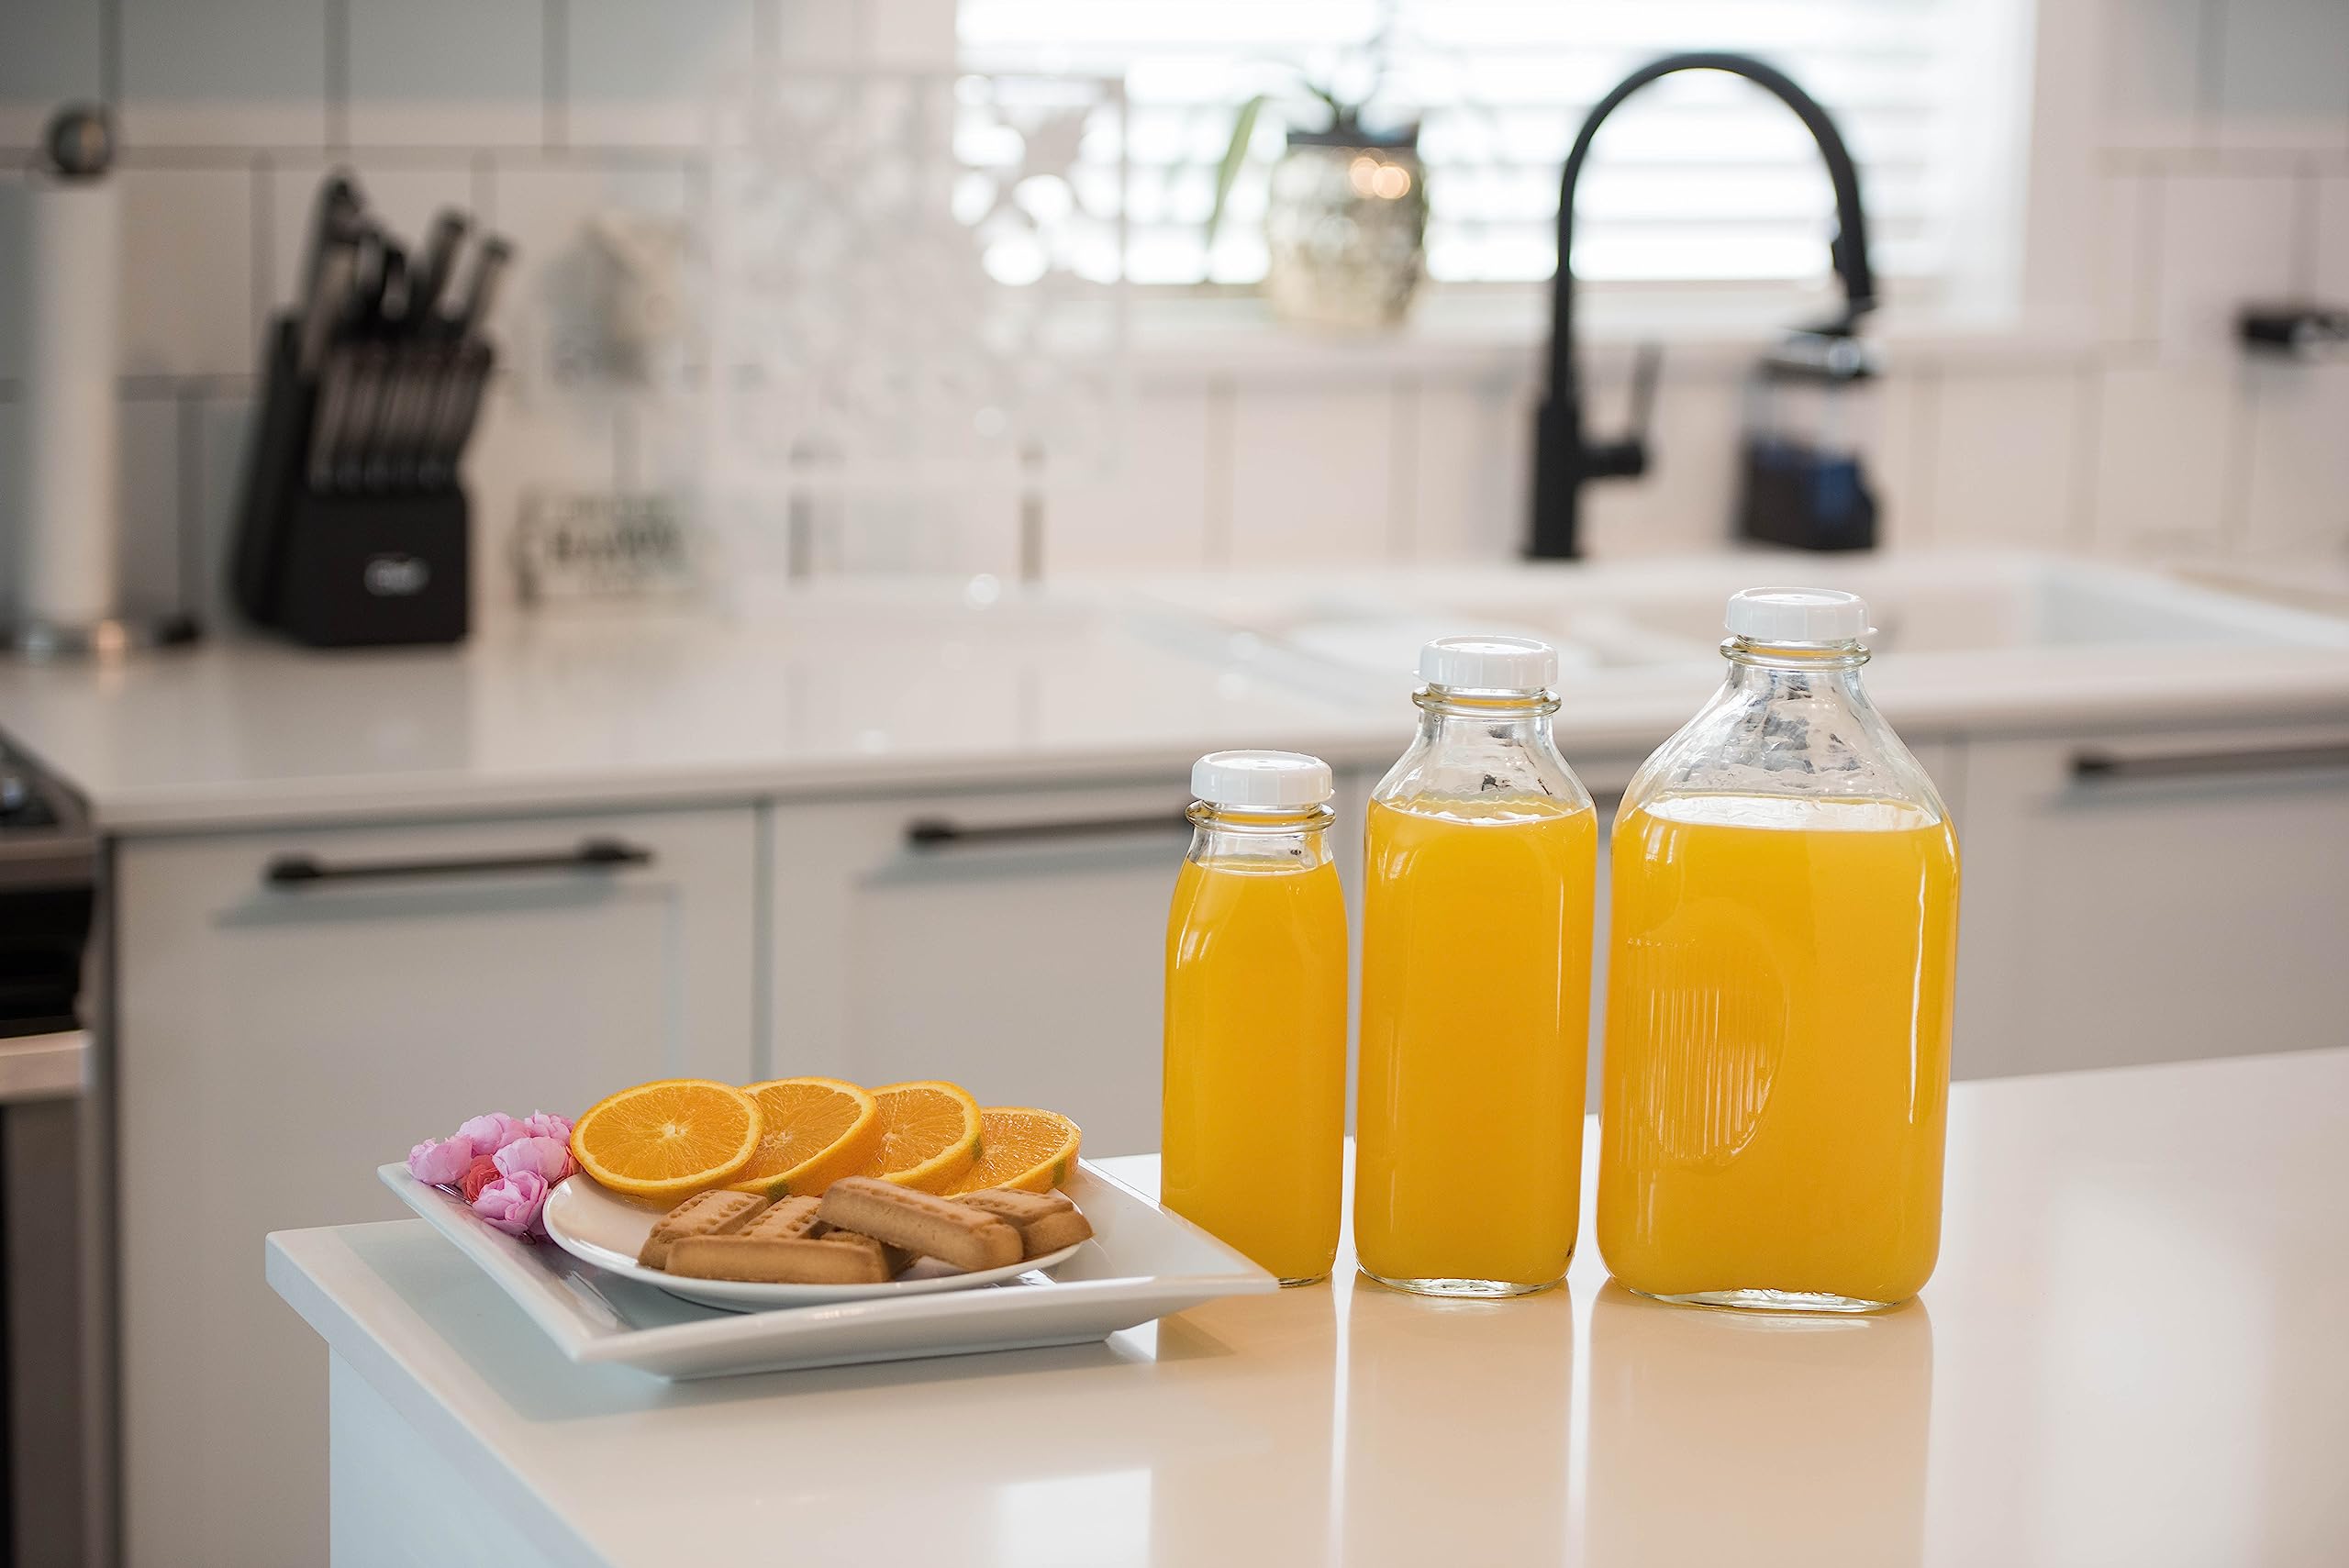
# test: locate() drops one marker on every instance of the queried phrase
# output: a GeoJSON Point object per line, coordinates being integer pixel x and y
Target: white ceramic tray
{"type": "Point", "coordinates": [1141, 1264]}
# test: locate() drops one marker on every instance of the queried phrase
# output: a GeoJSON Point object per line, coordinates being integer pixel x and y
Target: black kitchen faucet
{"type": "Point", "coordinates": [1563, 458]}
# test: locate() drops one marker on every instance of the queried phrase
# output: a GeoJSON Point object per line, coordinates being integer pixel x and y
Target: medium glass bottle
{"type": "Point", "coordinates": [1255, 1043]}
{"type": "Point", "coordinates": [1781, 962]}
{"type": "Point", "coordinates": [1481, 848]}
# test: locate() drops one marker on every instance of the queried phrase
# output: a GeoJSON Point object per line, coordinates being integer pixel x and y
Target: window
{"type": "Point", "coordinates": [1700, 177]}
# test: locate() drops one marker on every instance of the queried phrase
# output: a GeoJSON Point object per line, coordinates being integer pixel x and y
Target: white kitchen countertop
{"type": "Point", "coordinates": [2131, 1353]}
{"type": "Point", "coordinates": [921, 684]}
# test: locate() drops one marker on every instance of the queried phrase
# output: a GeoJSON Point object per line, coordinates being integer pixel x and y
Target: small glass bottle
{"type": "Point", "coordinates": [1482, 848]}
{"type": "Point", "coordinates": [1256, 1042]}
{"type": "Point", "coordinates": [1781, 962]}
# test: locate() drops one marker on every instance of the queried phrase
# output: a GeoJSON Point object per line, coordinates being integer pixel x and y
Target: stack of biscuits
{"type": "Point", "coordinates": [862, 1231]}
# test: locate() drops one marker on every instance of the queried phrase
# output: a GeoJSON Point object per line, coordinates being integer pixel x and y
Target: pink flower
{"type": "Point", "coordinates": [546, 1158]}
{"type": "Point", "coordinates": [479, 1175]}
{"type": "Point", "coordinates": [512, 1202]}
{"type": "Point", "coordinates": [440, 1163]}
{"type": "Point", "coordinates": [491, 1132]}
{"type": "Point", "coordinates": [546, 1124]}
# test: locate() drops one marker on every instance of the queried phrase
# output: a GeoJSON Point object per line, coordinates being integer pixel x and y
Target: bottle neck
{"type": "Point", "coordinates": [1763, 671]}
{"type": "Point", "coordinates": [1449, 714]}
{"type": "Point", "coordinates": [1261, 839]}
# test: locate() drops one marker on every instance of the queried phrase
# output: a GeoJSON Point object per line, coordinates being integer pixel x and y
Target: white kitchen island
{"type": "Point", "coordinates": [2132, 1352]}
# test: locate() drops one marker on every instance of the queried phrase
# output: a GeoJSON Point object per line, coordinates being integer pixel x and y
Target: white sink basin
{"type": "Point", "coordinates": [1610, 622]}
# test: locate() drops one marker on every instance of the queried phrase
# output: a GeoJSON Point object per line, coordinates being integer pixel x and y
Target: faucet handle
{"type": "Point", "coordinates": [1627, 458]}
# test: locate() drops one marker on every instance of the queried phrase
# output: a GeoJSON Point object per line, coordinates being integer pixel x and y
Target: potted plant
{"type": "Point", "coordinates": [1346, 214]}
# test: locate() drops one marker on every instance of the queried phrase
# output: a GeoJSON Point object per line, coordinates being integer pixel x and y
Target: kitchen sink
{"type": "Point", "coordinates": [1615, 623]}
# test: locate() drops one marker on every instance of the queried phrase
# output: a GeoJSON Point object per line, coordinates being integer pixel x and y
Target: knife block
{"type": "Point", "coordinates": [342, 569]}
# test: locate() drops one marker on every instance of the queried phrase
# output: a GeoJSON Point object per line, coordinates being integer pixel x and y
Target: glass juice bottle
{"type": "Point", "coordinates": [1783, 946]}
{"type": "Point", "coordinates": [1481, 848]}
{"type": "Point", "coordinates": [1255, 1047]}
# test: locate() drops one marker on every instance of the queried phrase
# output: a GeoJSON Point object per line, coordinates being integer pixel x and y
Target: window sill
{"type": "Point", "coordinates": [1501, 333]}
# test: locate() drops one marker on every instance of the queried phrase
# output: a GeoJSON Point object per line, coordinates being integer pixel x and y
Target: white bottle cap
{"type": "Point", "coordinates": [1489, 663]}
{"type": "Point", "coordinates": [1797, 615]}
{"type": "Point", "coordinates": [1264, 780]}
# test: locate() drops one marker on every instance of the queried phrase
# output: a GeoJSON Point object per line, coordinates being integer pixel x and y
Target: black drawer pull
{"type": "Point", "coordinates": [592, 854]}
{"type": "Point", "coordinates": [2099, 767]}
{"type": "Point", "coordinates": [940, 833]}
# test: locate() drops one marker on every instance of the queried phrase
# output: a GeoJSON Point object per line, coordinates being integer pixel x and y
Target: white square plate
{"type": "Point", "coordinates": [1141, 1264]}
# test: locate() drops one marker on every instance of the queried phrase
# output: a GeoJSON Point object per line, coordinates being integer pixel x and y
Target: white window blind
{"type": "Point", "coordinates": [1699, 176]}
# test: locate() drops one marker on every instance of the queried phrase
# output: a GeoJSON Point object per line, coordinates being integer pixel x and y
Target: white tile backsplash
{"type": "Point", "coordinates": [2298, 503]}
{"type": "Point", "coordinates": [2225, 239]}
{"type": "Point", "coordinates": [2151, 89]}
{"type": "Point", "coordinates": [224, 73]}
{"type": "Point", "coordinates": [464, 73]}
{"type": "Point", "coordinates": [1314, 475]}
{"type": "Point", "coordinates": [2006, 451]}
{"type": "Point", "coordinates": [638, 74]}
{"type": "Point", "coordinates": [2165, 456]}
{"type": "Point", "coordinates": [187, 272]}
{"type": "Point", "coordinates": [50, 55]}
{"type": "Point", "coordinates": [2282, 74]}
{"type": "Point", "coordinates": [2221, 174]}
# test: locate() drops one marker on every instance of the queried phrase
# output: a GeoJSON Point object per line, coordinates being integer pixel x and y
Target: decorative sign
{"type": "Point", "coordinates": [574, 545]}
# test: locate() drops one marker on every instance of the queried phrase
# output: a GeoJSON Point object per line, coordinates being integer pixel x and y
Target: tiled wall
{"type": "Point", "coordinates": [2215, 160]}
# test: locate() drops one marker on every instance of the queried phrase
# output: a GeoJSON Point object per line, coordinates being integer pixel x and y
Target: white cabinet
{"type": "Point", "coordinates": [278, 1040]}
{"type": "Point", "coordinates": [1011, 942]}
{"type": "Point", "coordinates": [2148, 897]}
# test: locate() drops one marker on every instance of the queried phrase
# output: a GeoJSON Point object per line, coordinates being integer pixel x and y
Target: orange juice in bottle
{"type": "Point", "coordinates": [1481, 847]}
{"type": "Point", "coordinates": [1781, 964]}
{"type": "Point", "coordinates": [1255, 1041]}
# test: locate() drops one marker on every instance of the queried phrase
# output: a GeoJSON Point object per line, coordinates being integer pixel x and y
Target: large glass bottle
{"type": "Point", "coordinates": [1256, 1044]}
{"type": "Point", "coordinates": [1783, 947]}
{"type": "Point", "coordinates": [1481, 847]}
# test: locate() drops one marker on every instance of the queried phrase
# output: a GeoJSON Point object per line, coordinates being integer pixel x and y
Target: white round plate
{"type": "Point", "coordinates": [606, 1229]}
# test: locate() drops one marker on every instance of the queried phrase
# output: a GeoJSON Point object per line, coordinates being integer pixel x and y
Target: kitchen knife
{"type": "Point", "coordinates": [328, 297]}
{"type": "Point", "coordinates": [361, 410]}
{"type": "Point", "coordinates": [327, 430]}
{"type": "Point", "coordinates": [435, 264]}
{"type": "Point", "coordinates": [481, 288]}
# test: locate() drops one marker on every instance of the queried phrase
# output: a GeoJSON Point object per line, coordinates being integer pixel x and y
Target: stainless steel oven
{"type": "Point", "coordinates": [56, 1316]}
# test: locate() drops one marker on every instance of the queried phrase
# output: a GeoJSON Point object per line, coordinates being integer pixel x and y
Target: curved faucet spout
{"type": "Point", "coordinates": [1562, 457]}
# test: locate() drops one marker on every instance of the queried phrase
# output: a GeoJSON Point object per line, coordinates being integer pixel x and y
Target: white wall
{"type": "Point", "coordinates": [2190, 154]}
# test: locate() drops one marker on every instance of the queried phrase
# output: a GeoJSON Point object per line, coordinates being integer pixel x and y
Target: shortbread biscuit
{"type": "Point", "coordinates": [703, 1214]}
{"type": "Point", "coordinates": [795, 1261]}
{"type": "Point", "coordinates": [791, 1219]}
{"type": "Point", "coordinates": [1046, 1221]}
{"type": "Point", "coordinates": [925, 1223]}
{"type": "Point", "coordinates": [895, 1260]}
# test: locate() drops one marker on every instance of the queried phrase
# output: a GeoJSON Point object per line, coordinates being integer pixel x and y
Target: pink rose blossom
{"type": "Point", "coordinates": [479, 1175]}
{"type": "Point", "coordinates": [493, 1131]}
{"type": "Point", "coordinates": [512, 1202]}
{"type": "Point", "coordinates": [546, 1124]}
{"type": "Point", "coordinates": [546, 1158]}
{"type": "Point", "coordinates": [439, 1162]}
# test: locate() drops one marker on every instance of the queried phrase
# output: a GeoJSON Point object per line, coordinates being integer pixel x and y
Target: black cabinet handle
{"type": "Point", "coordinates": [590, 854]}
{"type": "Point", "coordinates": [940, 833]}
{"type": "Point", "coordinates": [2099, 767]}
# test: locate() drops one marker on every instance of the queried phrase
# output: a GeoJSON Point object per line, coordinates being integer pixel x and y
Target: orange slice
{"type": "Point", "coordinates": [812, 1131]}
{"type": "Point", "coordinates": [669, 1138]}
{"type": "Point", "coordinates": [929, 1135]}
{"type": "Point", "coordinates": [1022, 1147]}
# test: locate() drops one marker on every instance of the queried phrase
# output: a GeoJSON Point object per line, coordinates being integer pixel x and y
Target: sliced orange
{"type": "Point", "coordinates": [1022, 1147]}
{"type": "Point", "coordinates": [668, 1138]}
{"type": "Point", "coordinates": [812, 1133]}
{"type": "Point", "coordinates": [929, 1135]}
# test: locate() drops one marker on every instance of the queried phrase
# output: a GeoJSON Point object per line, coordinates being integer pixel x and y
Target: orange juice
{"type": "Point", "coordinates": [1476, 927]}
{"type": "Point", "coordinates": [1777, 1047]}
{"type": "Point", "coordinates": [1255, 1065]}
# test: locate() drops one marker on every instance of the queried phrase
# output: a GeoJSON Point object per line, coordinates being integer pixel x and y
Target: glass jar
{"type": "Point", "coordinates": [1781, 963]}
{"type": "Point", "coordinates": [1255, 1039]}
{"type": "Point", "coordinates": [1476, 926]}
{"type": "Point", "coordinates": [1345, 229]}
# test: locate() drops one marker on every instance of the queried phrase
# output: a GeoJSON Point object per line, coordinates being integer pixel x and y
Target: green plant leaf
{"type": "Point", "coordinates": [1244, 130]}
